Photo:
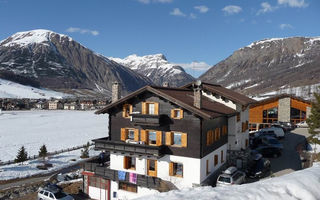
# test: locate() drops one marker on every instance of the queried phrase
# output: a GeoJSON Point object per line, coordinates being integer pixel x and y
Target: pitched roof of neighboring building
{"type": "Point", "coordinates": [225, 92]}
{"type": "Point", "coordinates": [281, 96]}
{"type": "Point", "coordinates": [181, 97]}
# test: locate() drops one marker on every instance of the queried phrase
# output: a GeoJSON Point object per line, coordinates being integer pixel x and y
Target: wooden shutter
{"type": "Point", "coordinates": [156, 108]}
{"type": "Point", "coordinates": [125, 162]}
{"type": "Point", "coordinates": [124, 134]}
{"type": "Point", "coordinates": [130, 109]}
{"type": "Point", "coordinates": [144, 108]}
{"type": "Point", "coordinates": [208, 138]}
{"type": "Point", "coordinates": [124, 110]}
{"type": "Point", "coordinates": [247, 125]}
{"type": "Point", "coordinates": [169, 140]}
{"type": "Point", "coordinates": [184, 141]}
{"type": "Point", "coordinates": [144, 136]}
{"type": "Point", "coordinates": [181, 113]}
{"type": "Point", "coordinates": [136, 134]}
{"type": "Point", "coordinates": [171, 169]}
{"type": "Point", "coordinates": [172, 113]}
{"type": "Point", "coordinates": [159, 138]}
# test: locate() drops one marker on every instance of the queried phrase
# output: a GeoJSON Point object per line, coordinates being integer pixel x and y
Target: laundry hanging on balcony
{"type": "Point", "coordinates": [122, 175]}
{"type": "Point", "coordinates": [133, 178]}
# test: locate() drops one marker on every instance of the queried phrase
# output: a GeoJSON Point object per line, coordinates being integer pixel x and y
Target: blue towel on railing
{"type": "Point", "coordinates": [122, 175]}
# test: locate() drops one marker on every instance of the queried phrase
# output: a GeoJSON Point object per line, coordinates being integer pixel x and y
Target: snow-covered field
{"type": "Point", "coordinates": [56, 129]}
{"type": "Point", "coordinates": [300, 185]}
{"type": "Point", "coordinates": [29, 168]}
{"type": "Point", "coordinates": [9, 89]}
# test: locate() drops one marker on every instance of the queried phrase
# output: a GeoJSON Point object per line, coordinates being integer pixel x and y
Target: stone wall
{"type": "Point", "coordinates": [284, 110]}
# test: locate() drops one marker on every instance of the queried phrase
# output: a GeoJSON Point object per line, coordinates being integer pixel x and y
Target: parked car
{"type": "Point", "coordinates": [265, 133]}
{"type": "Point", "coordinates": [52, 192]}
{"type": "Point", "coordinates": [271, 141]}
{"type": "Point", "coordinates": [302, 124]}
{"type": "Point", "coordinates": [231, 176]}
{"type": "Point", "coordinates": [278, 131]}
{"type": "Point", "coordinates": [269, 151]}
{"type": "Point", "coordinates": [258, 166]}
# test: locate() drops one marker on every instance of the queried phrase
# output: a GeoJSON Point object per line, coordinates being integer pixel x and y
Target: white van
{"type": "Point", "coordinates": [278, 131]}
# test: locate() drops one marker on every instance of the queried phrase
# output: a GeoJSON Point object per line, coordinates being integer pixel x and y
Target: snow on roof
{"type": "Point", "coordinates": [303, 184]}
{"type": "Point", "coordinates": [30, 37]}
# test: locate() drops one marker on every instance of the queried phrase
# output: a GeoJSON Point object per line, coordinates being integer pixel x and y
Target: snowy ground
{"type": "Point", "coordinates": [56, 129]}
{"type": "Point", "coordinates": [9, 89]}
{"type": "Point", "coordinates": [29, 168]}
{"type": "Point", "coordinates": [302, 184]}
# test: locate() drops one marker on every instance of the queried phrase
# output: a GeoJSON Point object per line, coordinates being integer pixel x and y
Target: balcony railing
{"type": "Point", "coordinates": [148, 120]}
{"type": "Point", "coordinates": [142, 180]}
{"type": "Point", "coordinates": [130, 148]}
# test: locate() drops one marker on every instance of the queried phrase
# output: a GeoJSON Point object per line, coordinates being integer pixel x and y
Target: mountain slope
{"type": "Point", "coordinates": [58, 62]}
{"type": "Point", "coordinates": [157, 68]}
{"type": "Point", "coordinates": [278, 65]}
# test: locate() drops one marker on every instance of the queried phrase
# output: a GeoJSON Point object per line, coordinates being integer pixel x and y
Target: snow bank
{"type": "Point", "coordinates": [56, 129]}
{"type": "Point", "coordinates": [302, 184]}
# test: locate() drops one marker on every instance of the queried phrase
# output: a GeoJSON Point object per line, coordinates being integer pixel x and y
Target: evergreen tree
{"type": "Point", "coordinates": [22, 155]}
{"type": "Point", "coordinates": [85, 151]}
{"type": "Point", "coordinates": [314, 119]}
{"type": "Point", "coordinates": [43, 152]}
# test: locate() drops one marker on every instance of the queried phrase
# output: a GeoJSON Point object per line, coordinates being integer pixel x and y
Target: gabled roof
{"type": "Point", "coordinates": [181, 97]}
{"type": "Point", "coordinates": [225, 92]}
{"type": "Point", "coordinates": [281, 96]}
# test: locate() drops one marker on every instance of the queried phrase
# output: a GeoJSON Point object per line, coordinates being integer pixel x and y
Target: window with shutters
{"type": "Point", "coordinates": [152, 135]}
{"type": "Point", "coordinates": [210, 137]}
{"type": "Point", "coordinates": [129, 133]}
{"type": "Point", "coordinates": [152, 167]}
{"type": "Point", "coordinates": [129, 162]}
{"type": "Point", "coordinates": [177, 113]}
{"type": "Point", "coordinates": [127, 110]}
{"type": "Point", "coordinates": [224, 130]}
{"type": "Point", "coordinates": [217, 134]}
{"type": "Point", "coordinates": [216, 160]}
{"type": "Point", "coordinates": [176, 139]}
{"type": "Point", "coordinates": [176, 169]}
{"type": "Point", "coordinates": [128, 187]}
{"type": "Point", "coordinates": [150, 108]}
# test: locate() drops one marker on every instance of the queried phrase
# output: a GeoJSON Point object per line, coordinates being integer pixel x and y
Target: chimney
{"type": "Point", "coordinates": [165, 84]}
{"type": "Point", "coordinates": [197, 98]}
{"type": "Point", "coordinates": [116, 91]}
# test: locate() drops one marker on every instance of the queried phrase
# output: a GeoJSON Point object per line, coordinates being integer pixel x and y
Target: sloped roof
{"type": "Point", "coordinates": [225, 92]}
{"type": "Point", "coordinates": [281, 96]}
{"type": "Point", "coordinates": [181, 97]}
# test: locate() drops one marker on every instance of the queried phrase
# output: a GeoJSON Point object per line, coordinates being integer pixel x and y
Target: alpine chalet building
{"type": "Point", "coordinates": [163, 138]}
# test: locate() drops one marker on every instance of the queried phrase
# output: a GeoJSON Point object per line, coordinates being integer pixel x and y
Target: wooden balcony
{"type": "Point", "coordinates": [129, 148]}
{"type": "Point", "coordinates": [146, 120]}
{"type": "Point", "coordinates": [142, 180]}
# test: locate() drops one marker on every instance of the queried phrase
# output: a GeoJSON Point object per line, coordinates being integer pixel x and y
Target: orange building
{"type": "Point", "coordinates": [284, 108]}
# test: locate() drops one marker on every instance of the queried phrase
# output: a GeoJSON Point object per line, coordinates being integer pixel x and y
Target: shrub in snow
{"type": "Point", "coordinates": [85, 151]}
{"type": "Point", "coordinates": [43, 152]}
{"type": "Point", "coordinates": [22, 155]}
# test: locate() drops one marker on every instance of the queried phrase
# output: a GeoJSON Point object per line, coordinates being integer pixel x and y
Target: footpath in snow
{"type": "Point", "coordinates": [300, 185]}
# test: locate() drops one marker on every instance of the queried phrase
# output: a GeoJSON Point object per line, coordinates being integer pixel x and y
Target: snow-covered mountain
{"type": "Point", "coordinates": [9, 89]}
{"type": "Point", "coordinates": [271, 66]}
{"type": "Point", "coordinates": [58, 62]}
{"type": "Point", "coordinates": [157, 68]}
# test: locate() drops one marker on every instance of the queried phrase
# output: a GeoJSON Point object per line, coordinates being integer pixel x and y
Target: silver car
{"type": "Point", "coordinates": [53, 194]}
{"type": "Point", "coordinates": [231, 176]}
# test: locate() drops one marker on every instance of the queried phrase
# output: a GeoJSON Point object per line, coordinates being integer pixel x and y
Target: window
{"type": "Point", "coordinates": [128, 187]}
{"type": "Point", "coordinates": [176, 169]}
{"type": "Point", "coordinates": [270, 115]}
{"type": "Point", "coordinates": [176, 139]}
{"type": "Point", "coordinates": [222, 156]}
{"type": "Point", "coordinates": [177, 113]}
{"type": "Point", "coordinates": [238, 117]}
{"type": "Point", "coordinates": [217, 134]}
{"type": "Point", "coordinates": [297, 115]}
{"type": "Point", "coordinates": [210, 137]}
{"type": "Point", "coordinates": [152, 135]}
{"type": "Point", "coordinates": [51, 196]}
{"type": "Point", "coordinates": [129, 162]}
{"type": "Point", "coordinates": [152, 167]}
{"type": "Point", "coordinates": [46, 193]}
{"type": "Point", "coordinates": [224, 130]}
{"type": "Point", "coordinates": [127, 133]}
{"type": "Point", "coordinates": [215, 160]}
{"type": "Point", "coordinates": [150, 108]}
{"type": "Point", "coordinates": [207, 167]}
{"type": "Point", "coordinates": [127, 110]}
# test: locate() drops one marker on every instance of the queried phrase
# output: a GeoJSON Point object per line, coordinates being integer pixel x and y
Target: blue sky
{"type": "Point", "coordinates": [185, 31]}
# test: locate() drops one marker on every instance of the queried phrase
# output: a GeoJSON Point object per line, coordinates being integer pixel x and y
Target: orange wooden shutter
{"type": "Point", "coordinates": [208, 138]}
{"type": "Point", "coordinates": [156, 108]}
{"type": "Point", "coordinates": [130, 109]}
{"type": "Point", "coordinates": [144, 108]}
{"type": "Point", "coordinates": [171, 169]}
{"type": "Point", "coordinates": [124, 134]}
{"type": "Point", "coordinates": [155, 168]}
{"type": "Point", "coordinates": [136, 134]}
{"type": "Point", "coordinates": [144, 136]}
{"type": "Point", "coordinates": [181, 113]}
{"type": "Point", "coordinates": [124, 110]}
{"type": "Point", "coordinates": [184, 141]}
{"type": "Point", "coordinates": [159, 138]}
{"type": "Point", "coordinates": [169, 138]}
{"type": "Point", "coordinates": [172, 113]}
{"type": "Point", "coordinates": [125, 162]}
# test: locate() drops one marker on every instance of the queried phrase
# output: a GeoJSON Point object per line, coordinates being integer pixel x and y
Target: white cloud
{"type": "Point", "coordinates": [285, 26]}
{"type": "Point", "coordinates": [232, 9]}
{"type": "Point", "coordinates": [193, 16]}
{"type": "Point", "coordinates": [177, 12]}
{"type": "Point", "coordinates": [154, 1]}
{"type": "Point", "coordinates": [202, 9]}
{"type": "Point", "coordinates": [293, 3]}
{"type": "Point", "coordinates": [197, 66]}
{"type": "Point", "coordinates": [82, 31]}
{"type": "Point", "coordinates": [266, 7]}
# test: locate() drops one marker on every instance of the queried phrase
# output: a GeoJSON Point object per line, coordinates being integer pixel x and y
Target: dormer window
{"type": "Point", "coordinates": [177, 113]}
{"type": "Point", "coordinates": [127, 110]}
{"type": "Point", "coordinates": [150, 108]}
